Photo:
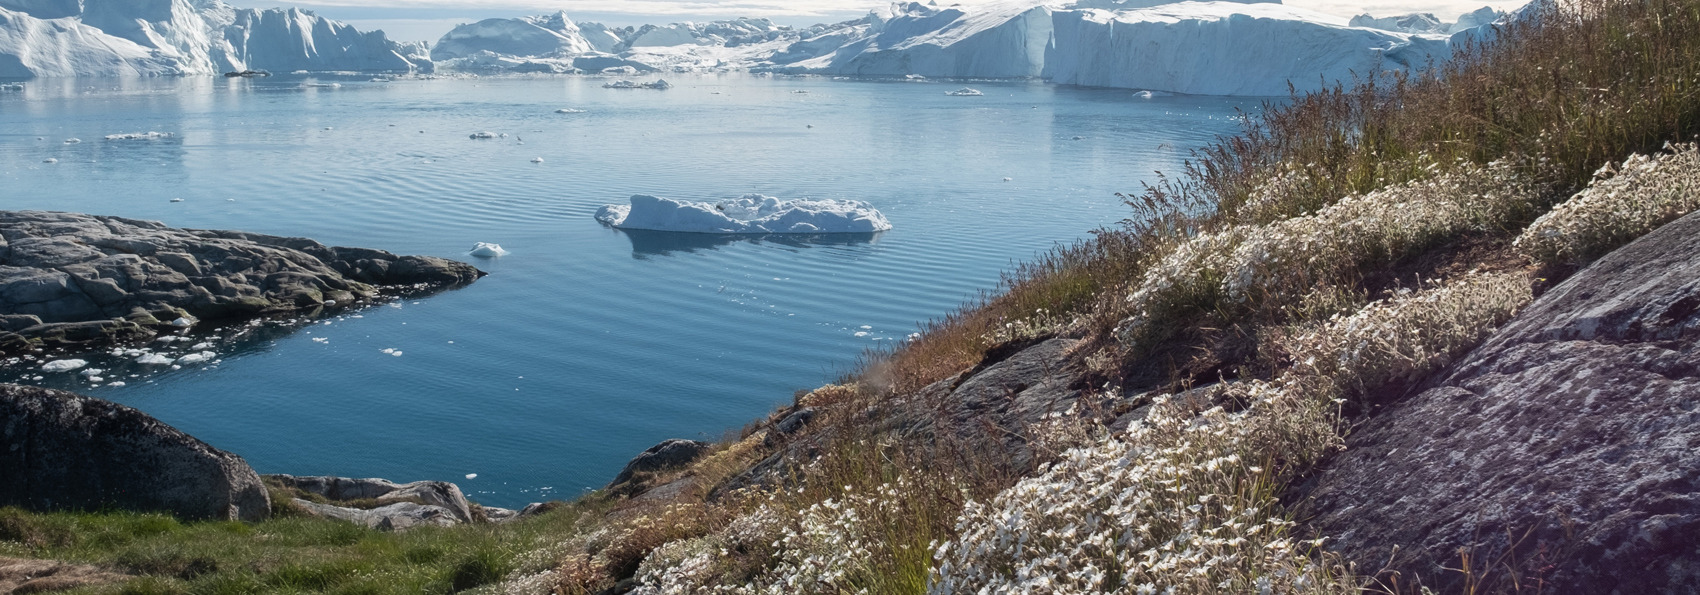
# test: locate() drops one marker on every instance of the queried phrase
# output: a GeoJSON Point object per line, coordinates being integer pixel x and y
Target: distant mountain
{"type": "Point", "coordinates": [171, 37]}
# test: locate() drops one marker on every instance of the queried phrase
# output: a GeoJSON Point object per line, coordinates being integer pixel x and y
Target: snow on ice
{"type": "Point", "coordinates": [749, 214]}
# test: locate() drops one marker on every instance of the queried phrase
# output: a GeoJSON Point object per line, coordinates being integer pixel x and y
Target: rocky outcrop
{"type": "Point", "coordinates": [60, 451]}
{"type": "Point", "coordinates": [1564, 452]}
{"type": "Point", "coordinates": [666, 455]}
{"type": "Point", "coordinates": [436, 494]}
{"type": "Point", "coordinates": [68, 278]}
{"type": "Point", "coordinates": [400, 516]}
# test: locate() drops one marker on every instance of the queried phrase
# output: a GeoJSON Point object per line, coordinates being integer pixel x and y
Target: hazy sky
{"type": "Point", "coordinates": [428, 20]}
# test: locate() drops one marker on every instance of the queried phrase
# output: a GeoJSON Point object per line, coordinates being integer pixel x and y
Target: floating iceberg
{"type": "Point", "coordinates": [154, 359]}
{"type": "Point", "coordinates": [965, 92]}
{"type": "Point", "coordinates": [481, 135]}
{"type": "Point", "coordinates": [488, 250]}
{"type": "Point", "coordinates": [749, 214]}
{"type": "Point", "coordinates": [624, 84]}
{"type": "Point", "coordinates": [139, 136]}
{"type": "Point", "coordinates": [196, 358]}
{"type": "Point", "coordinates": [63, 365]}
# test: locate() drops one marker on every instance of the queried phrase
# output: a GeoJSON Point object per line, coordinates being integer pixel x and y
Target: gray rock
{"type": "Point", "coordinates": [440, 494]}
{"type": "Point", "coordinates": [1564, 450]}
{"type": "Point", "coordinates": [795, 421]}
{"type": "Point", "coordinates": [72, 268]}
{"type": "Point", "coordinates": [666, 455]}
{"type": "Point", "coordinates": [400, 516]}
{"type": "Point", "coordinates": [61, 451]}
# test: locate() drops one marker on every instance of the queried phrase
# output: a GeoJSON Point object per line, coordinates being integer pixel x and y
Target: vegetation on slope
{"type": "Point", "coordinates": [1286, 270]}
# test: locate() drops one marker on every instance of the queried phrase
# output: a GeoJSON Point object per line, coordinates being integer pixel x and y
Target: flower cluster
{"type": "Point", "coordinates": [1188, 501]}
{"type": "Point", "coordinates": [1623, 203]}
{"type": "Point", "coordinates": [1277, 265]}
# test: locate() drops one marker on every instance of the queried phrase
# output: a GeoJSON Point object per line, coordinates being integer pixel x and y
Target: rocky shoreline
{"type": "Point", "coordinates": [75, 280]}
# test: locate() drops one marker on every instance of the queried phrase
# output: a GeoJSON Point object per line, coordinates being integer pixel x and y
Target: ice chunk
{"type": "Point", "coordinates": [139, 136]}
{"type": "Point", "coordinates": [537, 160]}
{"type": "Point", "coordinates": [568, 110]}
{"type": "Point", "coordinates": [482, 135]}
{"type": "Point", "coordinates": [320, 340]}
{"type": "Point", "coordinates": [488, 250]}
{"type": "Point", "coordinates": [749, 214]}
{"type": "Point", "coordinates": [196, 358]}
{"type": "Point", "coordinates": [625, 84]}
{"type": "Point", "coordinates": [116, 383]}
{"type": "Point", "coordinates": [201, 345]}
{"type": "Point", "coordinates": [72, 141]}
{"type": "Point", "coordinates": [91, 371]}
{"type": "Point", "coordinates": [153, 359]}
{"type": "Point", "coordinates": [965, 92]}
{"type": "Point", "coordinates": [322, 86]}
{"type": "Point", "coordinates": [182, 322]}
{"type": "Point", "coordinates": [472, 476]}
{"type": "Point", "coordinates": [1150, 94]}
{"type": "Point", "coordinates": [176, 200]}
{"type": "Point", "coordinates": [11, 86]}
{"type": "Point", "coordinates": [50, 160]}
{"type": "Point", "coordinates": [63, 365]}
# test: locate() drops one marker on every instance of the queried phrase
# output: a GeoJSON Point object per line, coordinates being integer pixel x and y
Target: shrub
{"type": "Point", "coordinates": [1623, 203]}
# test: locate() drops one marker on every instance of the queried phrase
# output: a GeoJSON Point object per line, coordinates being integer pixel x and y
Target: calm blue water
{"type": "Point", "coordinates": [585, 345]}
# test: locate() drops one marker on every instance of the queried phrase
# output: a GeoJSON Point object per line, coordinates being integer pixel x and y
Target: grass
{"type": "Point", "coordinates": [283, 555]}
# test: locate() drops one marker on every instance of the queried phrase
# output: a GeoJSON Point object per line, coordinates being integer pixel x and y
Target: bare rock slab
{"type": "Point", "coordinates": [1565, 450]}
{"type": "Point", "coordinates": [63, 451]}
{"type": "Point", "coordinates": [132, 275]}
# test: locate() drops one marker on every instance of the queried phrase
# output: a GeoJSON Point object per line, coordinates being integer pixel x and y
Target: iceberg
{"type": "Point", "coordinates": [154, 359]}
{"type": "Point", "coordinates": [488, 250]}
{"type": "Point", "coordinates": [58, 38]}
{"type": "Point", "coordinates": [63, 365]}
{"type": "Point", "coordinates": [196, 358]}
{"type": "Point", "coordinates": [749, 214]}
{"type": "Point", "coordinates": [545, 35]}
{"type": "Point", "coordinates": [139, 136]}
{"type": "Point", "coordinates": [481, 135]}
{"type": "Point", "coordinates": [659, 84]}
{"type": "Point", "coordinates": [965, 92]}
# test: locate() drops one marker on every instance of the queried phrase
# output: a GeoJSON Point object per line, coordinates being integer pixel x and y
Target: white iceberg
{"type": "Point", "coordinates": [481, 135]}
{"type": "Point", "coordinates": [154, 359]}
{"type": "Point", "coordinates": [537, 160]}
{"type": "Point", "coordinates": [196, 358]}
{"type": "Point", "coordinates": [50, 160]}
{"type": "Point", "coordinates": [749, 214]}
{"type": "Point", "coordinates": [965, 92]}
{"type": "Point", "coordinates": [139, 136]}
{"type": "Point", "coordinates": [63, 365]}
{"type": "Point", "coordinates": [625, 84]}
{"type": "Point", "coordinates": [488, 250]}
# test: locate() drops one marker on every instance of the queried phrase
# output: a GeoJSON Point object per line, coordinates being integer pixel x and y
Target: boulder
{"type": "Point", "coordinates": [440, 494]}
{"type": "Point", "coordinates": [1563, 452]}
{"type": "Point", "coordinates": [666, 455]}
{"type": "Point", "coordinates": [62, 451]}
{"type": "Point", "coordinates": [399, 516]}
{"type": "Point", "coordinates": [66, 268]}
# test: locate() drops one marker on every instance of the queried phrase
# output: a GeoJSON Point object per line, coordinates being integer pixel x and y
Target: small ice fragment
{"type": "Point", "coordinates": [861, 333]}
{"type": "Point", "coordinates": [176, 367]}
{"type": "Point", "coordinates": [176, 200]}
{"type": "Point", "coordinates": [396, 353]}
{"type": "Point", "coordinates": [390, 350]}
{"type": "Point", "coordinates": [230, 200]}
{"type": "Point", "coordinates": [195, 358]}
{"type": "Point", "coordinates": [488, 250]}
{"type": "Point", "coordinates": [330, 302]}
{"type": "Point", "coordinates": [63, 365]}
{"type": "Point", "coordinates": [327, 128]}
{"type": "Point", "coordinates": [91, 371]}
{"type": "Point", "coordinates": [472, 476]}
{"type": "Point", "coordinates": [139, 136]}
{"type": "Point", "coordinates": [866, 326]}
{"type": "Point", "coordinates": [1079, 138]}
{"type": "Point", "coordinates": [537, 160]}
{"type": "Point", "coordinates": [116, 383]}
{"type": "Point", "coordinates": [96, 379]}
{"type": "Point", "coordinates": [201, 345]}
{"type": "Point", "coordinates": [1008, 179]}
{"type": "Point", "coordinates": [182, 322]}
{"type": "Point", "coordinates": [153, 359]}
{"type": "Point", "coordinates": [480, 135]}
{"type": "Point", "coordinates": [569, 110]}
{"type": "Point", "coordinates": [965, 92]}
{"type": "Point", "coordinates": [72, 141]}
{"type": "Point", "coordinates": [38, 378]}
{"type": "Point", "coordinates": [50, 160]}
{"type": "Point", "coordinates": [320, 340]}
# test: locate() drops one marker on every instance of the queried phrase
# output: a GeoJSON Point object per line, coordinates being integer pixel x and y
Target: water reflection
{"type": "Point", "coordinates": [647, 243]}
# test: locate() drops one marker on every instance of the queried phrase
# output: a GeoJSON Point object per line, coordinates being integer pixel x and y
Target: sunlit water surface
{"type": "Point", "coordinates": [586, 344]}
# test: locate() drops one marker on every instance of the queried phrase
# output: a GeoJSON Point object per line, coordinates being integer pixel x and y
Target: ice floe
{"type": "Point", "coordinates": [625, 84]}
{"type": "Point", "coordinates": [139, 136]}
{"type": "Point", "coordinates": [196, 358]}
{"type": "Point", "coordinates": [965, 92]}
{"type": "Point", "coordinates": [63, 365]}
{"type": "Point", "coordinates": [154, 359]}
{"type": "Point", "coordinates": [488, 250]}
{"type": "Point", "coordinates": [749, 214]}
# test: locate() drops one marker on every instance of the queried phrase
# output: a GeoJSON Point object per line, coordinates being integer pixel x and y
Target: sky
{"type": "Point", "coordinates": [428, 20]}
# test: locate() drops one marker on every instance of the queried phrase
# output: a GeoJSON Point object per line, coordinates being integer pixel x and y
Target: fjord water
{"type": "Point", "coordinates": [586, 344]}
